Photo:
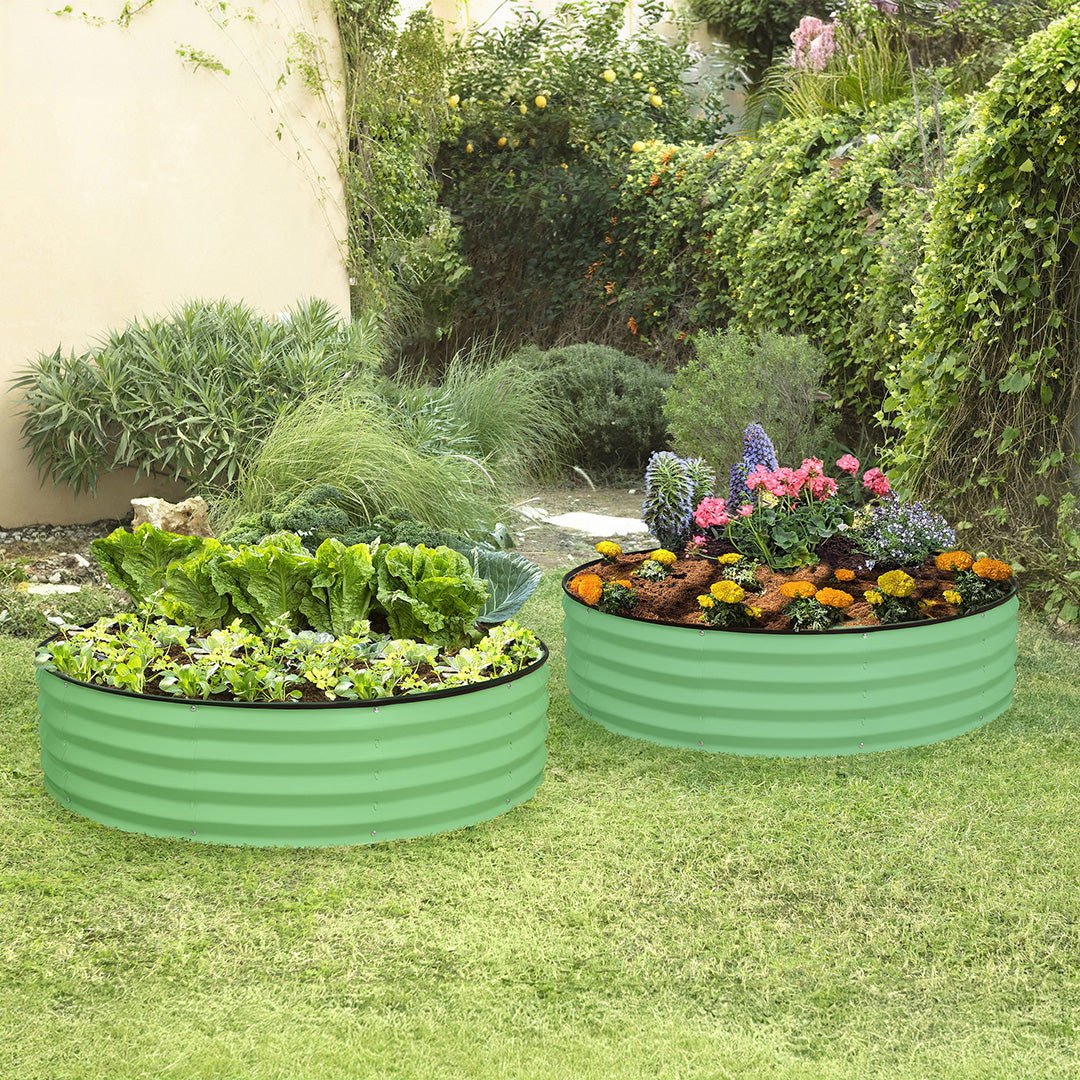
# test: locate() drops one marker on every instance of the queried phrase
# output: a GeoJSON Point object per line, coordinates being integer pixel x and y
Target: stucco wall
{"type": "Point", "coordinates": [130, 181]}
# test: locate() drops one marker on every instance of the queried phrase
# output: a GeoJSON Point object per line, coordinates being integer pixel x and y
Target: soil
{"type": "Point", "coordinates": [674, 600]}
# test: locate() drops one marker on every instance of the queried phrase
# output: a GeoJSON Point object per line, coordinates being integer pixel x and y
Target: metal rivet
{"type": "Point", "coordinates": [702, 632]}
{"type": "Point", "coordinates": [192, 832]}
{"type": "Point", "coordinates": [864, 635]}
{"type": "Point", "coordinates": [861, 745]}
{"type": "Point", "coordinates": [372, 832]}
{"type": "Point", "coordinates": [194, 707]}
{"type": "Point", "coordinates": [376, 708]}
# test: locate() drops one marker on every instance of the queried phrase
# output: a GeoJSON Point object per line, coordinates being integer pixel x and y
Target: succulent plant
{"type": "Point", "coordinates": [673, 487]}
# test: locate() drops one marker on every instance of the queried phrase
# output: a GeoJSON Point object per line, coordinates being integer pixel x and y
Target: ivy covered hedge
{"type": "Point", "coordinates": [813, 227]}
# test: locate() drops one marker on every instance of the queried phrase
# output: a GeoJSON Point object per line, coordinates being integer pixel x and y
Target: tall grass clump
{"type": "Point", "coordinates": [450, 456]}
{"type": "Point", "coordinates": [185, 396]}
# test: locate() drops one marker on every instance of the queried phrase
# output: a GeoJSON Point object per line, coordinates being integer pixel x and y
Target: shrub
{"type": "Point", "coordinates": [984, 404]}
{"type": "Point", "coordinates": [185, 396]}
{"type": "Point", "coordinates": [532, 184]}
{"type": "Point", "coordinates": [404, 250]}
{"type": "Point", "coordinates": [612, 401]}
{"type": "Point", "coordinates": [736, 378]}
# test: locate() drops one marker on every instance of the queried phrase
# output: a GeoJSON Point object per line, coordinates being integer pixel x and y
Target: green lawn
{"type": "Point", "coordinates": [652, 913]}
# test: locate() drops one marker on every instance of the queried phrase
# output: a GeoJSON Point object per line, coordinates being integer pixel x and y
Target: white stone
{"type": "Point", "coordinates": [48, 589]}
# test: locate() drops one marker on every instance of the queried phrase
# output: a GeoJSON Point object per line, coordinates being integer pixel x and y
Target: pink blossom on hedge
{"type": "Point", "coordinates": [849, 463]}
{"type": "Point", "coordinates": [712, 511]}
{"type": "Point", "coordinates": [876, 482]}
{"type": "Point", "coordinates": [814, 44]}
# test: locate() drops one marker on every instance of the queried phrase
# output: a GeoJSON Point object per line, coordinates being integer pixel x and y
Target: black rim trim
{"type": "Point", "coordinates": [761, 629]}
{"type": "Point", "coordinates": [373, 703]}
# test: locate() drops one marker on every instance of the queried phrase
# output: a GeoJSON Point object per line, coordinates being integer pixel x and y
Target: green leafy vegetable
{"type": "Point", "coordinates": [137, 561]}
{"type": "Point", "coordinates": [268, 581]}
{"type": "Point", "coordinates": [192, 594]}
{"type": "Point", "coordinates": [510, 579]}
{"type": "Point", "coordinates": [343, 588]}
{"type": "Point", "coordinates": [430, 594]}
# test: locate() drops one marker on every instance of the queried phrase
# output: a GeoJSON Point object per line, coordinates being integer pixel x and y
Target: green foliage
{"type": "Point", "coordinates": [24, 614]}
{"type": "Point", "coordinates": [343, 588]}
{"type": "Point", "coordinates": [430, 594]}
{"type": "Point", "coordinates": [130, 653]}
{"type": "Point", "coordinates": [760, 28]}
{"type": "Point", "coordinates": [612, 402]}
{"type": "Point", "coordinates": [433, 594]}
{"type": "Point", "coordinates": [185, 396]}
{"type": "Point", "coordinates": [532, 185]}
{"type": "Point", "coordinates": [736, 378]}
{"type": "Point", "coordinates": [810, 228]}
{"type": "Point", "coordinates": [136, 561]}
{"type": "Point", "coordinates": [616, 598]}
{"type": "Point", "coordinates": [806, 613]}
{"type": "Point", "coordinates": [510, 580]}
{"type": "Point", "coordinates": [404, 249]}
{"type": "Point", "coordinates": [315, 514]}
{"type": "Point", "coordinates": [449, 456]}
{"type": "Point", "coordinates": [984, 402]}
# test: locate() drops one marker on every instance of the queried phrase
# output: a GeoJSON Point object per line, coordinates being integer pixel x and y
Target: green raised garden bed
{"type": "Point", "coordinates": [297, 774]}
{"type": "Point", "coordinates": [785, 694]}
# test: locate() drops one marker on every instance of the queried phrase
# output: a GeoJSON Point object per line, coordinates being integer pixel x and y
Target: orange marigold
{"type": "Point", "coordinates": [992, 569]}
{"type": "Point", "coordinates": [953, 560]}
{"type": "Point", "coordinates": [844, 575]}
{"type": "Point", "coordinates": [794, 590]}
{"type": "Point", "coordinates": [626, 583]}
{"type": "Point", "coordinates": [835, 598]}
{"type": "Point", "coordinates": [587, 587]}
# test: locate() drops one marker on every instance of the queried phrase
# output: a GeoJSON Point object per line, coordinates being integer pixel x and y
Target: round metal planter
{"type": "Point", "coordinates": [294, 775]}
{"type": "Point", "coordinates": [785, 694]}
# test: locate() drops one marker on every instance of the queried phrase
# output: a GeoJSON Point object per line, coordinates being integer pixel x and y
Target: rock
{"type": "Point", "coordinates": [188, 518]}
{"type": "Point", "coordinates": [51, 590]}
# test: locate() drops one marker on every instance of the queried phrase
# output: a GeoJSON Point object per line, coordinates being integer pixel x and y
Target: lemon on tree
{"type": "Point", "coordinates": [453, 101]}
{"type": "Point", "coordinates": [637, 147]}
{"type": "Point", "coordinates": [540, 102]}
{"type": "Point", "coordinates": [655, 100]}
{"type": "Point", "coordinates": [608, 76]}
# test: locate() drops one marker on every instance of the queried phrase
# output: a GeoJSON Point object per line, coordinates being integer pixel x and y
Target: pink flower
{"type": "Point", "coordinates": [757, 478]}
{"type": "Point", "coordinates": [812, 467]}
{"type": "Point", "coordinates": [876, 482]}
{"type": "Point", "coordinates": [745, 510]}
{"type": "Point", "coordinates": [699, 541]}
{"type": "Point", "coordinates": [814, 44]}
{"type": "Point", "coordinates": [848, 463]}
{"type": "Point", "coordinates": [712, 511]}
{"type": "Point", "coordinates": [821, 487]}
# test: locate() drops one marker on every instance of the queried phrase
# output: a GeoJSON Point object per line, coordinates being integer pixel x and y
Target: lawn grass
{"type": "Point", "coordinates": [652, 913]}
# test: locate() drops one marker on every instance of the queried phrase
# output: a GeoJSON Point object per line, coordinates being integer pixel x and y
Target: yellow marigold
{"type": "Point", "coordinates": [663, 557]}
{"type": "Point", "coordinates": [896, 583]}
{"type": "Point", "coordinates": [835, 598]}
{"type": "Point", "coordinates": [795, 590]}
{"type": "Point", "coordinates": [929, 605]}
{"type": "Point", "coordinates": [873, 597]}
{"type": "Point", "coordinates": [844, 575]}
{"type": "Point", "coordinates": [992, 569]}
{"type": "Point", "coordinates": [706, 602]}
{"type": "Point", "coordinates": [727, 592]}
{"type": "Point", "coordinates": [951, 596]}
{"type": "Point", "coordinates": [609, 549]}
{"type": "Point", "coordinates": [588, 587]}
{"type": "Point", "coordinates": [729, 559]}
{"type": "Point", "coordinates": [753, 612]}
{"type": "Point", "coordinates": [953, 560]}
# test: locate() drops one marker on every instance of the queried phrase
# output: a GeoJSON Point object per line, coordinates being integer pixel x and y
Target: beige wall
{"type": "Point", "coordinates": [129, 182]}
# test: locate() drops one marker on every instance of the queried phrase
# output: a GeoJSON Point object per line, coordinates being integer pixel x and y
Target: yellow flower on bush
{"type": "Point", "coordinates": [752, 612]}
{"type": "Point", "coordinates": [608, 549]}
{"type": "Point", "coordinates": [844, 575]}
{"type": "Point", "coordinates": [835, 598]}
{"type": "Point", "coordinates": [951, 596]}
{"type": "Point", "coordinates": [706, 602]}
{"type": "Point", "coordinates": [730, 559]}
{"type": "Point", "coordinates": [992, 569]}
{"type": "Point", "coordinates": [727, 592]}
{"type": "Point", "coordinates": [953, 561]}
{"type": "Point", "coordinates": [587, 587]}
{"type": "Point", "coordinates": [663, 557]}
{"type": "Point", "coordinates": [798, 590]}
{"type": "Point", "coordinates": [873, 597]}
{"type": "Point", "coordinates": [896, 583]}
